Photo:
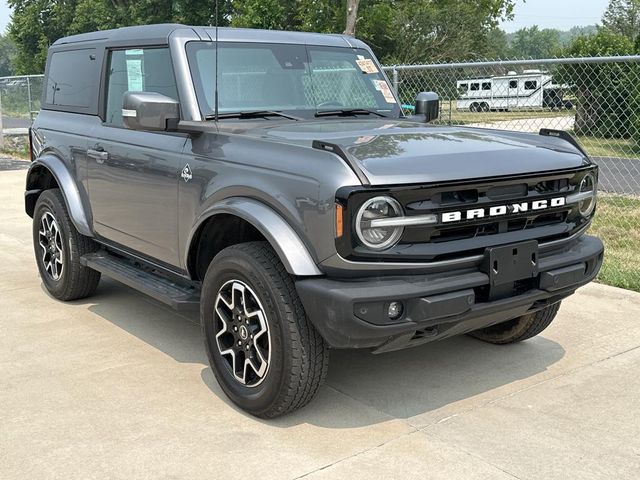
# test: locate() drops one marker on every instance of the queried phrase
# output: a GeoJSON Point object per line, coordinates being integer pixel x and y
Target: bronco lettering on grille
{"type": "Point", "coordinates": [499, 210]}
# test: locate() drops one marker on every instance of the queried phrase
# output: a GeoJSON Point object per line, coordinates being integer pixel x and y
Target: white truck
{"type": "Point", "coordinates": [530, 89]}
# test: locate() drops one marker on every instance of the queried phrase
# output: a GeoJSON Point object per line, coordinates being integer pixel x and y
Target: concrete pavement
{"type": "Point", "coordinates": [118, 386]}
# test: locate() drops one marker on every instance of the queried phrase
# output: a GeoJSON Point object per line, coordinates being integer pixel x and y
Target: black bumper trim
{"type": "Point", "coordinates": [434, 303]}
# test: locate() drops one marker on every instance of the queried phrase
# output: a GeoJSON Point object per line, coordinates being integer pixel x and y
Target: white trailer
{"type": "Point", "coordinates": [530, 89]}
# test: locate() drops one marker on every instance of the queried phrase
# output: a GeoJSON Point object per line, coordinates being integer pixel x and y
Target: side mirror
{"type": "Point", "coordinates": [427, 104]}
{"type": "Point", "coordinates": [149, 111]}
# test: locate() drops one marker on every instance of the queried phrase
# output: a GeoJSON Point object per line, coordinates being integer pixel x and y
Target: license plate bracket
{"type": "Point", "coordinates": [510, 263]}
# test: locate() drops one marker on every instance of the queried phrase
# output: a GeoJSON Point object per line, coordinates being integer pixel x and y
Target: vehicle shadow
{"type": "Point", "coordinates": [398, 384]}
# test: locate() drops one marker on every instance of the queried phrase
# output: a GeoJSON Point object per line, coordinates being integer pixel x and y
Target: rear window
{"type": "Point", "coordinates": [72, 79]}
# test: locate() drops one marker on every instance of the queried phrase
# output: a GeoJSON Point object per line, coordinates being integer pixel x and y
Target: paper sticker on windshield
{"type": "Point", "coordinates": [367, 65]}
{"type": "Point", "coordinates": [383, 87]}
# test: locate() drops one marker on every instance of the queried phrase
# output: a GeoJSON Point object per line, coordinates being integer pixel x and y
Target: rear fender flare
{"type": "Point", "coordinates": [67, 185]}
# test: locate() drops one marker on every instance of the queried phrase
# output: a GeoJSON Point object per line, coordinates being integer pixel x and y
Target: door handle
{"type": "Point", "coordinates": [98, 154]}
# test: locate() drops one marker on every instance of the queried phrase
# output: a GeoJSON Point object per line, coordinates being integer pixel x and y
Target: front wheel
{"type": "Point", "coordinates": [520, 328]}
{"type": "Point", "coordinates": [266, 355]}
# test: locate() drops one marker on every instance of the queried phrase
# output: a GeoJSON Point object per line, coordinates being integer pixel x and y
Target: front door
{"type": "Point", "coordinates": [133, 176]}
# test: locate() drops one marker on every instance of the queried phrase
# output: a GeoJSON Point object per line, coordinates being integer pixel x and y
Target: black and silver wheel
{"type": "Point", "coordinates": [266, 355]}
{"type": "Point", "coordinates": [58, 247]}
{"type": "Point", "coordinates": [242, 333]}
{"type": "Point", "coordinates": [51, 248]}
{"type": "Point", "coordinates": [520, 328]}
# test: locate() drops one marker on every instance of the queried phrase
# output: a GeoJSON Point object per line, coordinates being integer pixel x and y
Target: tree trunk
{"type": "Point", "coordinates": [352, 16]}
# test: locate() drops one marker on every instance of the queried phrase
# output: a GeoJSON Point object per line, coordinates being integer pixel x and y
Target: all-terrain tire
{"type": "Point", "coordinates": [520, 328]}
{"type": "Point", "coordinates": [298, 356]}
{"type": "Point", "coordinates": [74, 281]}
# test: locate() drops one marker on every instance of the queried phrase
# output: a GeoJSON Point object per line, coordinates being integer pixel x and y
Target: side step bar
{"type": "Point", "coordinates": [176, 295]}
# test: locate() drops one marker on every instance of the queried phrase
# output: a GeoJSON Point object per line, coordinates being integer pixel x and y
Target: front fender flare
{"type": "Point", "coordinates": [68, 187]}
{"type": "Point", "coordinates": [284, 240]}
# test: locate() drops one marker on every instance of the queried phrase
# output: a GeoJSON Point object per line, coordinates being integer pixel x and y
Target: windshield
{"type": "Point", "coordinates": [290, 78]}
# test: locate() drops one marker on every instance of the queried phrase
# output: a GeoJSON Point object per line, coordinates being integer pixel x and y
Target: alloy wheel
{"type": "Point", "coordinates": [50, 241]}
{"type": "Point", "coordinates": [242, 333]}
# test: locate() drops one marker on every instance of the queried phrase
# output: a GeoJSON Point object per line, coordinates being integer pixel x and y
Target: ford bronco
{"type": "Point", "coordinates": [271, 180]}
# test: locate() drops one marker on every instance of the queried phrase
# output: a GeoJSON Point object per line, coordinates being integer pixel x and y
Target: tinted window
{"type": "Point", "coordinates": [72, 79]}
{"type": "Point", "coordinates": [475, 86]}
{"type": "Point", "coordinates": [254, 76]}
{"type": "Point", "coordinates": [486, 86]}
{"type": "Point", "coordinates": [464, 86]}
{"type": "Point", "coordinates": [513, 84]}
{"type": "Point", "coordinates": [137, 70]}
{"type": "Point", "coordinates": [530, 85]}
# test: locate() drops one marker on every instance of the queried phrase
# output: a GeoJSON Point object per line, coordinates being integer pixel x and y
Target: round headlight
{"type": "Point", "coordinates": [374, 234]}
{"type": "Point", "coordinates": [587, 186]}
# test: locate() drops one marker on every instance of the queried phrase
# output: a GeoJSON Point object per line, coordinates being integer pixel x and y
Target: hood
{"type": "Point", "coordinates": [397, 151]}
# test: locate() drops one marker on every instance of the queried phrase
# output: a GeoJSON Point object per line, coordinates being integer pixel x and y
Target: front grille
{"type": "Point", "coordinates": [471, 236]}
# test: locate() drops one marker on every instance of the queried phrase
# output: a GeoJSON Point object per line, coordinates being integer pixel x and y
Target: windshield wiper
{"type": "Point", "coordinates": [253, 114]}
{"type": "Point", "coordinates": [348, 111]}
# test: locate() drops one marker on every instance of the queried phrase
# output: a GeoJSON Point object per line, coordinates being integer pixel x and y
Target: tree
{"type": "Point", "coordinates": [7, 52]}
{"type": "Point", "coordinates": [607, 93]}
{"type": "Point", "coordinates": [399, 31]}
{"type": "Point", "coordinates": [533, 42]}
{"type": "Point", "coordinates": [623, 17]}
{"type": "Point", "coordinates": [352, 17]}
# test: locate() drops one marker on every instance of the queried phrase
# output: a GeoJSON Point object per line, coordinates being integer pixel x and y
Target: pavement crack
{"type": "Point", "coordinates": [357, 454]}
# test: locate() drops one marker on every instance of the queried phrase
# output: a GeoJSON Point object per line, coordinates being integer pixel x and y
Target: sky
{"type": "Point", "coordinates": [561, 14]}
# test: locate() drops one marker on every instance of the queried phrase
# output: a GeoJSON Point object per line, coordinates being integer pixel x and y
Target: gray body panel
{"type": "Point", "coordinates": [264, 171]}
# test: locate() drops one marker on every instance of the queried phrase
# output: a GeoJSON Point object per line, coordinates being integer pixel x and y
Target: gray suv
{"type": "Point", "coordinates": [271, 180]}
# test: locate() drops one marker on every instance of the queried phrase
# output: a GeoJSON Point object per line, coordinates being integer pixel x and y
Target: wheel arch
{"type": "Point", "coordinates": [49, 172]}
{"type": "Point", "coordinates": [251, 220]}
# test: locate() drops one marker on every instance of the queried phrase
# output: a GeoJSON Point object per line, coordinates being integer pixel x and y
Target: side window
{"type": "Point", "coordinates": [72, 79]}
{"type": "Point", "coordinates": [463, 87]}
{"type": "Point", "coordinates": [530, 85]}
{"type": "Point", "coordinates": [475, 86]}
{"type": "Point", "coordinates": [513, 83]}
{"type": "Point", "coordinates": [486, 85]}
{"type": "Point", "coordinates": [137, 70]}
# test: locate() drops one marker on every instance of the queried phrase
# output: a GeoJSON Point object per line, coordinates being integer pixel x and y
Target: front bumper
{"type": "Point", "coordinates": [352, 313]}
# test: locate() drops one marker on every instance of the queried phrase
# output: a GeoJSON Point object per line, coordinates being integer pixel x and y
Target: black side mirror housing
{"type": "Point", "coordinates": [150, 111]}
{"type": "Point", "coordinates": [427, 104]}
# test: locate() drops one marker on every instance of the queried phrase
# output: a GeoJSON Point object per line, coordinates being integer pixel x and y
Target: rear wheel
{"type": "Point", "coordinates": [58, 247]}
{"type": "Point", "coordinates": [520, 328]}
{"type": "Point", "coordinates": [474, 107]}
{"type": "Point", "coordinates": [266, 355]}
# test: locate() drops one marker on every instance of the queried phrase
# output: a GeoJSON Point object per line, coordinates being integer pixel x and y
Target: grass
{"type": "Point", "coordinates": [610, 147]}
{"type": "Point", "coordinates": [617, 223]}
{"type": "Point", "coordinates": [449, 114]}
{"type": "Point", "coordinates": [21, 153]}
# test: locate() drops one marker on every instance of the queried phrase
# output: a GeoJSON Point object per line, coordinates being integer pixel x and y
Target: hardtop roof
{"type": "Point", "coordinates": [159, 34]}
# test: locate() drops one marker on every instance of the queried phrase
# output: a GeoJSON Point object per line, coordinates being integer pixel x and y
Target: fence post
{"type": "Point", "coordinates": [1, 128]}
{"type": "Point", "coordinates": [29, 98]}
{"type": "Point", "coordinates": [395, 80]}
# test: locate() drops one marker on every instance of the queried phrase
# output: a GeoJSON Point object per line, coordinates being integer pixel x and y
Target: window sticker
{"type": "Point", "coordinates": [383, 87]}
{"type": "Point", "coordinates": [367, 65]}
{"type": "Point", "coordinates": [134, 70]}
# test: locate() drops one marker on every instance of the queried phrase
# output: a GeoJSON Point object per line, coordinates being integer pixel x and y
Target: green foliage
{"type": "Point", "coordinates": [623, 17]}
{"type": "Point", "coordinates": [607, 93]}
{"type": "Point", "coordinates": [534, 42]}
{"type": "Point", "coordinates": [398, 30]}
{"type": "Point", "coordinates": [7, 52]}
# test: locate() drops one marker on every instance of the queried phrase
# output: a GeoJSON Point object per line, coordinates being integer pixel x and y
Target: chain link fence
{"type": "Point", "coordinates": [20, 97]}
{"type": "Point", "coordinates": [596, 99]}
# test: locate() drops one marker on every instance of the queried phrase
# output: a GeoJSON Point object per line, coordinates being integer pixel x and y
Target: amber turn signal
{"type": "Point", "coordinates": [339, 220]}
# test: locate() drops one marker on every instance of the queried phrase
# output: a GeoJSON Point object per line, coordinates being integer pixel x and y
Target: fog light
{"type": "Point", "coordinates": [395, 310]}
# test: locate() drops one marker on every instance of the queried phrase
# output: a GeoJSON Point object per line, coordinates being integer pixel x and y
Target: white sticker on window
{"type": "Point", "coordinates": [134, 71]}
{"type": "Point", "coordinates": [367, 65]}
{"type": "Point", "coordinates": [383, 87]}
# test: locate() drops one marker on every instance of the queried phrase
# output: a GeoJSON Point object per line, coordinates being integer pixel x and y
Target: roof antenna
{"type": "Point", "coordinates": [216, 80]}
